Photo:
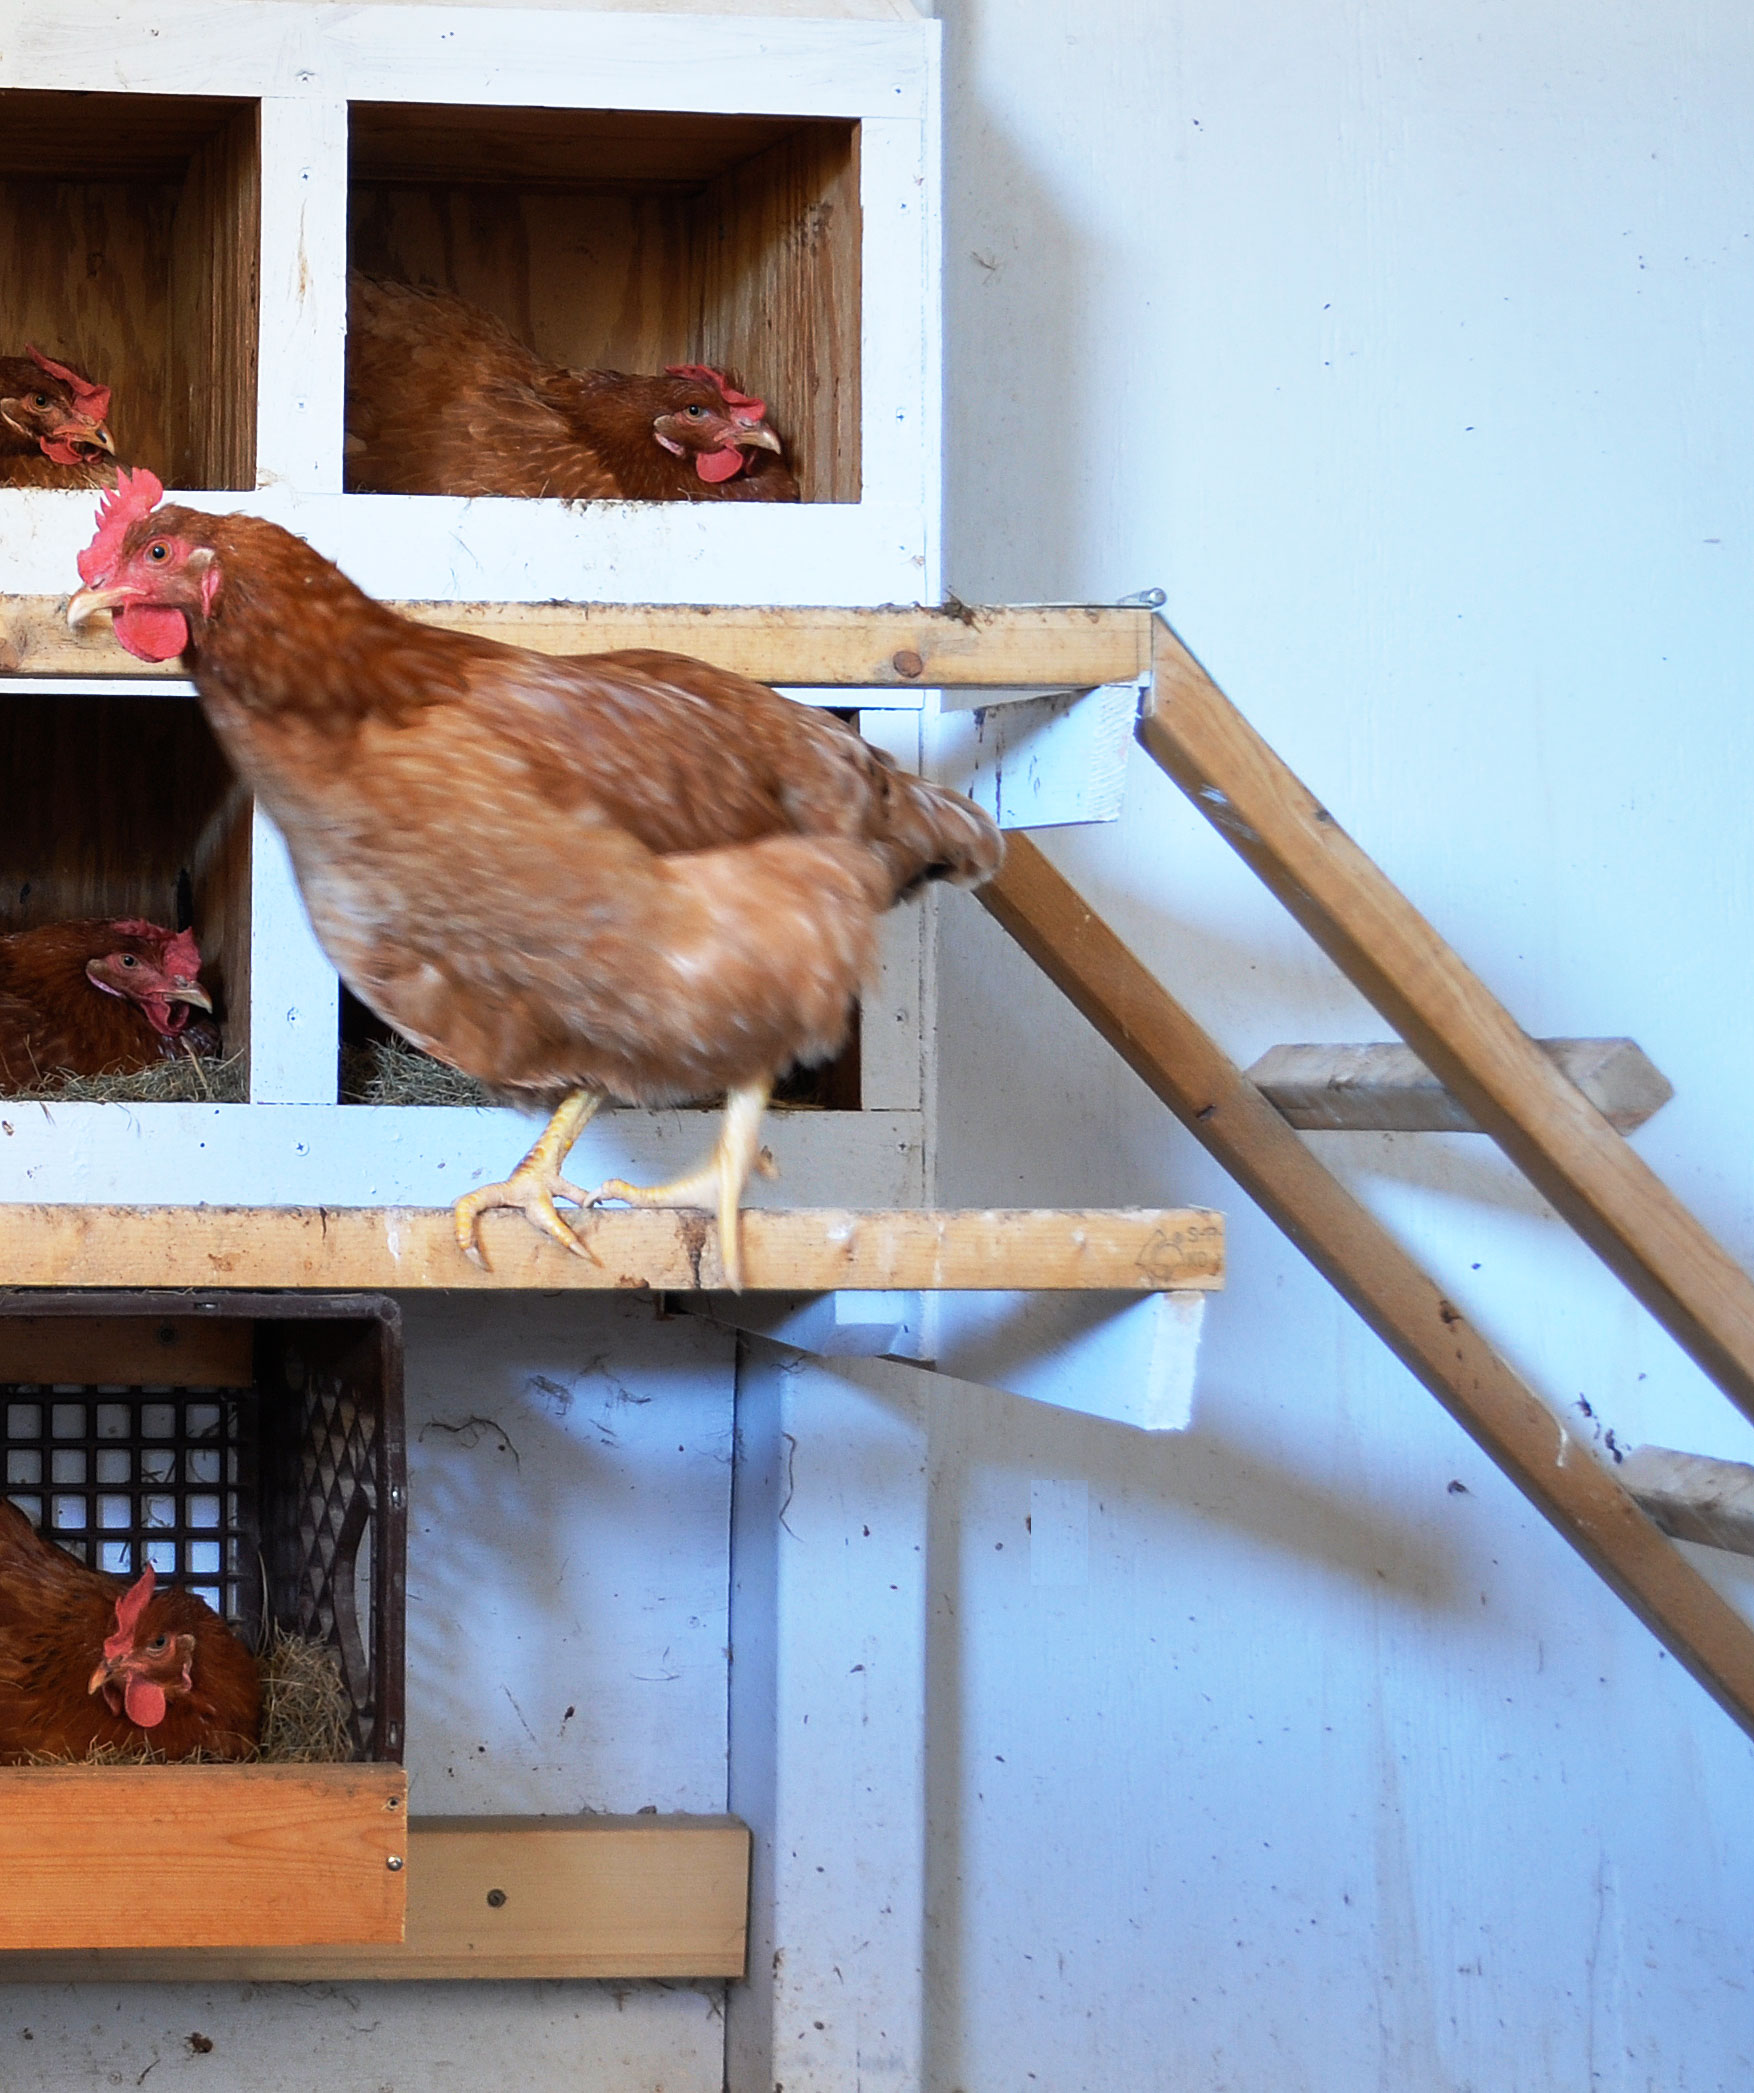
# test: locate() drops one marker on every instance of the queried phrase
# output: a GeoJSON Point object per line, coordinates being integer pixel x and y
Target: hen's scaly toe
{"type": "Point", "coordinates": [530, 1193]}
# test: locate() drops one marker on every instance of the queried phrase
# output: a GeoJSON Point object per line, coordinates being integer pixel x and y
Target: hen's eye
{"type": "Point", "coordinates": [159, 1642]}
{"type": "Point", "coordinates": [128, 960]}
{"type": "Point", "coordinates": [39, 399]}
{"type": "Point", "coordinates": [697, 411]}
{"type": "Point", "coordinates": [158, 551]}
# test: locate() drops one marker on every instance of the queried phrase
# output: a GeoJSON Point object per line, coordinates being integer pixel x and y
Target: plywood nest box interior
{"type": "Point", "coordinates": [628, 240]}
{"type": "Point", "coordinates": [129, 230]}
{"type": "Point", "coordinates": [124, 807]}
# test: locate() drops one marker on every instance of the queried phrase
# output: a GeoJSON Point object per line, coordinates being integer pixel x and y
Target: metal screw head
{"type": "Point", "coordinates": [496, 1898]}
{"type": "Point", "coordinates": [394, 1863]}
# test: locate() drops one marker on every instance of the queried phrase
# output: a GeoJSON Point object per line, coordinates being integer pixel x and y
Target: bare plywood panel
{"type": "Point", "coordinates": [1230, 1118]}
{"type": "Point", "coordinates": [1051, 648]}
{"type": "Point", "coordinates": [182, 1351]}
{"type": "Point", "coordinates": [506, 1897]}
{"type": "Point", "coordinates": [1385, 1087]}
{"type": "Point", "coordinates": [1458, 1028]}
{"type": "Point", "coordinates": [1143, 1249]}
{"type": "Point", "coordinates": [201, 1856]}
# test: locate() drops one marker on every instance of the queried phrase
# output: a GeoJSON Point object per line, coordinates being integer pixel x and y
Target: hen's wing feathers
{"type": "Point", "coordinates": [686, 756]}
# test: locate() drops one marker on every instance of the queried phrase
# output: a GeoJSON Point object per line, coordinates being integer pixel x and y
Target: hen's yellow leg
{"type": "Point", "coordinates": [535, 1184]}
{"type": "Point", "coordinates": [718, 1185]}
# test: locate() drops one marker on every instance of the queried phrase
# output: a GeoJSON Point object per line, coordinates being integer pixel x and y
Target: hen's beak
{"type": "Point", "coordinates": [85, 605]}
{"type": "Point", "coordinates": [189, 992]}
{"type": "Point", "coordinates": [759, 438]}
{"type": "Point", "coordinates": [100, 1678]}
{"type": "Point", "coordinates": [94, 435]}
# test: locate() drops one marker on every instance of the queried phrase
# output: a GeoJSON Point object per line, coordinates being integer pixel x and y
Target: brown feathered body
{"type": "Point", "coordinates": [443, 399]}
{"type": "Point", "coordinates": [36, 405]}
{"type": "Point", "coordinates": [633, 872]}
{"type": "Point", "coordinates": [55, 1619]}
{"type": "Point", "coordinates": [54, 1019]}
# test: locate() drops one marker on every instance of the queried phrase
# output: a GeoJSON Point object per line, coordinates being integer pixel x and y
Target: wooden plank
{"type": "Point", "coordinates": [1002, 649]}
{"type": "Point", "coordinates": [586, 1897]}
{"type": "Point", "coordinates": [1386, 1088]}
{"type": "Point", "coordinates": [201, 1856]}
{"type": "Point", "coordinates": [1451, 1020]}
{"type": "Point", "coordinates": [801, 1250]}
{"type": "Point", "coordinates": [1693, 1497]}
{"type": "Point", "coordinates": [180, 1351]}
{"type": "Point", "coordinates": [1229, 1117]}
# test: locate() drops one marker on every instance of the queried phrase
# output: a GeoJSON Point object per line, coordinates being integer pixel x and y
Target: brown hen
{"type": "Point", "coordinates": [443, 399]}
{"type": "Point", "coordinates": [92, 1661]}
{"type": "Point", "coordinates": [626, 875]}
{"type": "Point", "coordinates": [52, 425]}
{"type": "Point", "coordinates": [96, 998]}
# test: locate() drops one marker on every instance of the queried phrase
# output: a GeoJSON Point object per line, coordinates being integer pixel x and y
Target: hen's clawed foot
{"type": "Point", "coordinates": [718, 1185]}
{"type": "Point", "coordinates": [534, 1185]}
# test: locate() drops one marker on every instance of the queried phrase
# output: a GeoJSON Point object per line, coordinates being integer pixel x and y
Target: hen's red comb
{"type": "Point", "coordinates": [90, 399]}
{"type": "Point", "coordinates": [755, 410]}
{"type": "Point", "coordinates": [129, 1607]}
{"type": "Point", "coordinates": [134, 495]}
{"type": "Point", "coordinates": [182, 955]}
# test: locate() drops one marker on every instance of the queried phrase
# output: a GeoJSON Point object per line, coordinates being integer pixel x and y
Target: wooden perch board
{"type": "Point", "coordinates": [576, 1897]}
{"type": "Point", "coordinates": [1386, 1088]}
{"type": "Point", "coordinates": [1049, 648]}
{"type": "Point", "coordinates": [1141, 1250]}
{"type": "Point", "coordinates": [1230, 1118]}
{"type": "Point", "coordinates": [1451, 1020]}
{"type": "Point", "coordinates": [201, 1856]}
{"type": "Point", "coordinates": [1693, 1497]}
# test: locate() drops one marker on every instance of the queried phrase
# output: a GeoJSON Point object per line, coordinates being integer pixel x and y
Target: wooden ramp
{"type": "Point", "coordinates": [1511, 1088]}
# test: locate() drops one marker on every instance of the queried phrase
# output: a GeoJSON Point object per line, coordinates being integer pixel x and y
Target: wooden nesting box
{"type": "Point", "coordinates": [623, 240]}
{"type": "Point", "coordinates": [622, 188]}
{"type": "Point", "coordinates": [129, 227]}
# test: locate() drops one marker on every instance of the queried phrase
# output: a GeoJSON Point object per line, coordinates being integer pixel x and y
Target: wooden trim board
{"type": "Point", "coordinates": [803, 1250]}
{"type": "Point", "coordinates": [583, 1897]}
{"type": "Point", "coordinates": [907, 647]}
{"type": "Point", "coordinates": [1451, 1020]}
{"type": "Point", "coordinates": [1230, 1118]}
{"type": "Point", "coordinates": [201, 1856]}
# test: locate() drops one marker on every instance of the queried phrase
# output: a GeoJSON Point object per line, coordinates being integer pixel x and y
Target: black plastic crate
{"type": "Point", "coordinates": [250, 1447]}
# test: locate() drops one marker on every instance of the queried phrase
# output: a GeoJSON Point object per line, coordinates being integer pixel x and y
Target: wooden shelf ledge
{"type": "Point", "coordinates": [907, 647]}
{"type": "Point", "coordinates": [489, 1897]}
{"type": "Point", "coordinates": [800, 1250]}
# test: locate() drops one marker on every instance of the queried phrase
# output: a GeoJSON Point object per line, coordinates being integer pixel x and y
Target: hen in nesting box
{"type": "Point", "coordinates": [52, 425]}
{"type": "Point", "coordinates": [443, 399]}
{"type": "Point", "coordinates": [90, 1666]}
{"type": "Point", "coordinates": [97, 998]}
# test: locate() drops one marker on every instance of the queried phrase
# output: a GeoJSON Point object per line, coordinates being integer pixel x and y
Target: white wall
{"type": "Point", "coordinates": [1406, 347]}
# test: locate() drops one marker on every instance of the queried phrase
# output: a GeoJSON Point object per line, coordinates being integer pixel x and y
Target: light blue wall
{"type": "Point", "coordinates": [1407, 346]}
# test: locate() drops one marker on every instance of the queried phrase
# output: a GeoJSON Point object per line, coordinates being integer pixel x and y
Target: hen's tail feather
{"type": "Point", "coordinates": [934, 833]}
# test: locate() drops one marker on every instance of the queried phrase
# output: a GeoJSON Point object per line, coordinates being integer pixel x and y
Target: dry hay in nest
{"type": "Point", "coordinates": [391, 1072]}
{"type": "Point", "coordinates": [305, 1709]}
{"type": "Point", "coordinates": [305, 1714]}
{"type": "Point", "coordinates": [187, 1080]}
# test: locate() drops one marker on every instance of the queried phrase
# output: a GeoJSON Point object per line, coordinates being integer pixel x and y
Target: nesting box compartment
{"type": "Point", "coordinates": [129, 230]}
{"type": "Point", "coordinates": [249, 1447]}
{"type": "Point", "coordinates": [629, 240]}
{"type": "Point", "coordinates": [117, 806]}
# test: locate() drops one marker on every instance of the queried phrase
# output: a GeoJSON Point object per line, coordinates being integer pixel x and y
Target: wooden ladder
{"type": "Point", "coordinates": [1514, 1091]}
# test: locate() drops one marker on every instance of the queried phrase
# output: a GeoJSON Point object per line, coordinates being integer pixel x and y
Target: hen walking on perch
{"type": "Point", "coordinates": [628, 875]}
